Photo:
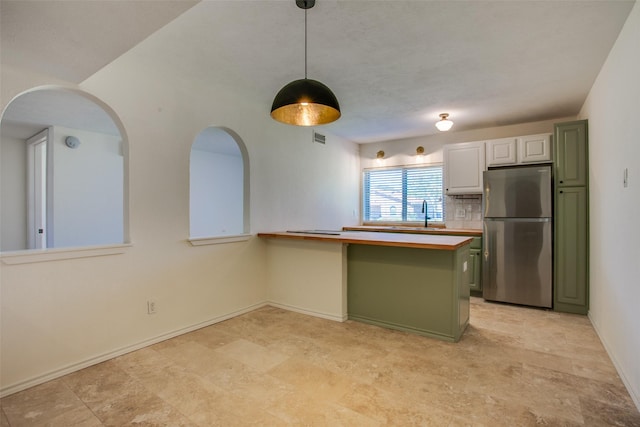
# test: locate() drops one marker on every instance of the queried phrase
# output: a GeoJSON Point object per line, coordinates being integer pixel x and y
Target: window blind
{"type": "Point", "coordinates": [398, 194]}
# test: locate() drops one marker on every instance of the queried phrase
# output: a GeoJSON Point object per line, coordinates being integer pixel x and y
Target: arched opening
{"type": "Point", "coordinates": [64, 163]}
{"type": "Point", "coordinates": [219, 184]}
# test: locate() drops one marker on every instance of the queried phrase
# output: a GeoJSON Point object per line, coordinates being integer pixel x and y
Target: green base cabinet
{"type": "Point", "coordinates": [475, 265]}
{"type": "Point", "coordinates": [571, 250]}
{"type": "Point", "coordinates": [424, 291]}
{"type": "Point", "coordinates": [571, 244]}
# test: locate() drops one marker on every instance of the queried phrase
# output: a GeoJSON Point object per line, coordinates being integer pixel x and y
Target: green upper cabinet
{"type": "Point", "coordinates": [571, 154]}
{"type": "Point", "coordinates": [571, 219]}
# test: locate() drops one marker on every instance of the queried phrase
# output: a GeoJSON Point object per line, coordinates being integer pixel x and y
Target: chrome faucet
{"type": "Point", "coordinates": [425, 211]}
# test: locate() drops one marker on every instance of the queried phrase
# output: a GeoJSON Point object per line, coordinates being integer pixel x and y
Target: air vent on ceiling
{"type": "Point", "coordinates": [319, 138]}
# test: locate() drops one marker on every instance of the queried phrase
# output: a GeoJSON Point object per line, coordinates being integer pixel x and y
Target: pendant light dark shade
{"type": "Point", "coordinates": [305, 102]}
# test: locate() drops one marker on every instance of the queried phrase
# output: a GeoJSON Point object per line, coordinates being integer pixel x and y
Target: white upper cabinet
{"type": "Point", "coordinates": [534, 148]}
{"type": "Point", "coordinates": [465, 162]}
{"type": "Point", "coordinates": [519, 150]}
{"type": "Point", "coordinates": [463, 167]}
{"type": "Point", "coordinates": [501, 152]}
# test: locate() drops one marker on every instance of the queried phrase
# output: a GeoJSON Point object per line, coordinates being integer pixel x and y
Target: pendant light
{"type": "Point", "coordinates": [305, 102]}
{"type": "Point", "coordinates": [444, 124]}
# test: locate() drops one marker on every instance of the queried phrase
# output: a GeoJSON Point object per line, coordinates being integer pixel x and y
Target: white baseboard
{"type": "Point", "coordinates": [328, 316]}
{"type": "Point", "coordinates": [57, 373]}
{"type": "Point", "coordinates": [635, 396]}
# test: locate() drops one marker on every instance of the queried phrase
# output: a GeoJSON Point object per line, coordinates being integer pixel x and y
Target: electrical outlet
{"type": "Point", "coordinates": [151, 306]}
{"type": "Point", "coordinates": [460, 213]}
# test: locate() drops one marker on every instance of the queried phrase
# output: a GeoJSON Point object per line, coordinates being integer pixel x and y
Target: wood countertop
{"type": "Point", "coordinates": [376, 238]}
{"type": "Point", "coordinates": [417, 230]}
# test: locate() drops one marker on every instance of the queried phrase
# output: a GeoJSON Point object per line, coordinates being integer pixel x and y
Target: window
{"type": "Point", "coordinates": [399, 194]}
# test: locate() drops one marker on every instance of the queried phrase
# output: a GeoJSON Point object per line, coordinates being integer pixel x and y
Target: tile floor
{"type": "Point", "coordinates": [513, 367]}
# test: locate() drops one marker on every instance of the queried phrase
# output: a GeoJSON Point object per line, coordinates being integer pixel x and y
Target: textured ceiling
{"type": "Point", "coordinates": [72, 39]}
{"type": "Point", "coordinates": [394, 65]}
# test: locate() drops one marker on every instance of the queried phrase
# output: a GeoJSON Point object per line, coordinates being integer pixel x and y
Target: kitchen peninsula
{"type": "Point", "coordinates": [418, 230]}
{"type": "Point", "coordinates": [411, 282]}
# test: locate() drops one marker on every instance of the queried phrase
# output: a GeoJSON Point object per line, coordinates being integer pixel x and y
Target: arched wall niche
{"type": "Point", "coordinates": [219, 185]}
{"type": "Point", "coordinates": [84, 187]}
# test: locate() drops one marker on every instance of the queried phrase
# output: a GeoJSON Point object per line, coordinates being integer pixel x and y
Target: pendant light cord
{"type": "Point", "coordinates": [305, 44]}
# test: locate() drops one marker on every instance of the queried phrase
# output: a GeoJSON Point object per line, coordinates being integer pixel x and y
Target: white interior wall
{"type": "Point", "coordinates": [13, 191]}
{"type": "Point", "coordinates": [612, 109]}
{"type": "Point", "coordinates": [87, 189]}
{"type": "Point", "coordinates": [59, 316]}
{"type": "Point", "coordinates": [308, 277]}
{"type": "Point", "coordinates": [403, 151]}
{"type": "Point", "coordinates": [216, 194]}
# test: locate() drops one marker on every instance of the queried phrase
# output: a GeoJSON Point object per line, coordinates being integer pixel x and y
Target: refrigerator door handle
{"type": "Point", "coordinates": [486, 241]}
{"type": "Point", "coordinates": [487, 198]}
{"type": "Point", "coordinates": [544, 219]}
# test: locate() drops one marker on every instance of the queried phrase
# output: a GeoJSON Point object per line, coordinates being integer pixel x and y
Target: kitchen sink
{"type": "Point", "coordinates": [417, 228]}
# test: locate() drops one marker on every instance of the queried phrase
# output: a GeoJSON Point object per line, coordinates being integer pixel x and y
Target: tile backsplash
{"type": "Point", "coordinates": [463, 211]}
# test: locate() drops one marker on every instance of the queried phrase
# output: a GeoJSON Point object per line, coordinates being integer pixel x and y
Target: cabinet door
{"type": "Point", "coordinates": [534, 148]}
{"type": "Point", "coordinates": [571, 261]}
{"type": "Point", "coordinates": [463, 166]}
{"type": "Point", "coordinates": [571, 153]}
{"type": "Point", "coordinates": [475, 273]}
{"type": "Point", "coordinates": [501, 152]}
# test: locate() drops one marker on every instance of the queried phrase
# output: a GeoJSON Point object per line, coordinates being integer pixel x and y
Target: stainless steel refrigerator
{"type": "Point", "coordinates": [518, 232]}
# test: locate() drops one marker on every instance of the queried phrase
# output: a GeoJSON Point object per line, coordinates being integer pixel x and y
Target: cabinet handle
{"type": "Point", "coordinates": [561, 182]}
{"type": "Point", "coordinates": [561, 191]}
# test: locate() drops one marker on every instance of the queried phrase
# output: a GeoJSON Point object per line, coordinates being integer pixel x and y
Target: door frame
{"type": "Point", "coordinates": [38, 190]}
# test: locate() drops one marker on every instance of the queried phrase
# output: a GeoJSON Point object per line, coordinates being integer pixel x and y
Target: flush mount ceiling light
{"type": "Point", "coordinates": [305, 102]}
{"type": "Point", "coordinates": [420, 150]}
{"type": "Point", "coordinates": [380, 155]}
{"type": "Point", "coordinates": [444, 124]}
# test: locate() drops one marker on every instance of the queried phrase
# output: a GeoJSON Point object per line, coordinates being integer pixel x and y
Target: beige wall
{"type": "Point", "coordinates": [613, 108]}
{"type": "Point", "coordinates": [308, 277]}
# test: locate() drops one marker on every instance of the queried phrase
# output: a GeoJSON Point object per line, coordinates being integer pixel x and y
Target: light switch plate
{"type": "Point", "coordinates": [626, 177]}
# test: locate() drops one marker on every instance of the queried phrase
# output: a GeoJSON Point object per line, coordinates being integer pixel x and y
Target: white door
{"type": "Point", "coordinates": [37, 190]}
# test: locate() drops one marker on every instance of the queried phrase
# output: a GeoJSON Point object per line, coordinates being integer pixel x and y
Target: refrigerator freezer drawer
{"type": "Point", "coordinates": [517, 261]}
